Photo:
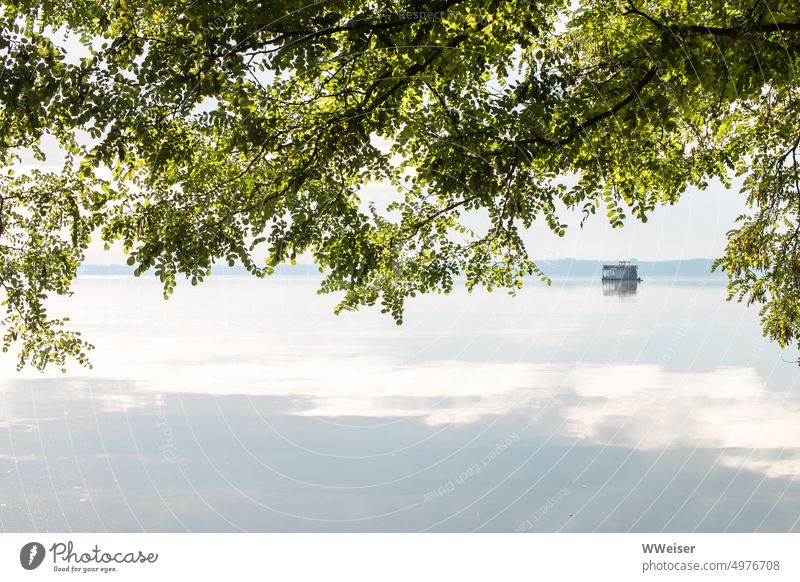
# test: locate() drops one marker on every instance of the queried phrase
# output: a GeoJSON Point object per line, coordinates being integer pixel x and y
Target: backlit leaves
{"type": "Point", "coordinates": [199, 133]}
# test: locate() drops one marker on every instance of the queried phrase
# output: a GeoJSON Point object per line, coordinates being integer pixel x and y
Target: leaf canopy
{"type": "Point", "coordinates": [221, 131]}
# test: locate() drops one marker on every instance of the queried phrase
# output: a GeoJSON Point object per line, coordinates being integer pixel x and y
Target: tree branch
{"type": "Point", "coordinates": [730, 31]}
{"type": "Point", "coordinates": [595, 119]}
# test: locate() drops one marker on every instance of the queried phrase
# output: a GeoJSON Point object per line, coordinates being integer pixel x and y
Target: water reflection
{"type": "Point", "coordinates": [269, 414]}
{"type": "Point", "coordinates": [619, 288]}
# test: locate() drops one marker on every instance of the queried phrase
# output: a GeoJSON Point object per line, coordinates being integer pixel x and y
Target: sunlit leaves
{"type": "Point", "coordinates": [245, 133]}
{"type": "Point", "coordinates": [45, 231]}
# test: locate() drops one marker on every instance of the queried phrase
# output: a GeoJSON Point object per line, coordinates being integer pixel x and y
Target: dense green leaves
{"type": "Point", "coordinates": [221, 131]}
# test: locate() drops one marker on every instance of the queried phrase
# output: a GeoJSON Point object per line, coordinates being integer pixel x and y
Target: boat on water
{"type": "Point", "coordinates": [622, 271]}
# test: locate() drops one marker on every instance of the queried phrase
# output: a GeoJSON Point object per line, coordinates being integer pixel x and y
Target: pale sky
{"type": "Point", "coordinates": [695, 227]}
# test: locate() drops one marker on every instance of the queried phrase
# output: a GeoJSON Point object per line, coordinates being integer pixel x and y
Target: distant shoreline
{"type": "Point", "coordinates": [552, 268]}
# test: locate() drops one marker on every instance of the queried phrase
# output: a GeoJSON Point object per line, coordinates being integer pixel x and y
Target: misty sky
{"type": "Point", "coordinates": [695, 227]}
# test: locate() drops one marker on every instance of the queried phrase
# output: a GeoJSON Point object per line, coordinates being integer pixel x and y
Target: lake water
{"type": "Point", "coordinates": [247, 405]}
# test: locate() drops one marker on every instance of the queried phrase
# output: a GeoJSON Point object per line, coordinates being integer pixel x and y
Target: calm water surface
{"type": "Point", "coordinates": [246, 405]}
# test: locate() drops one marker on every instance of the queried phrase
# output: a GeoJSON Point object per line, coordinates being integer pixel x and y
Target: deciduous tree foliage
{"type": "Point", "coordinates": [200, 132]}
